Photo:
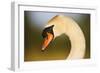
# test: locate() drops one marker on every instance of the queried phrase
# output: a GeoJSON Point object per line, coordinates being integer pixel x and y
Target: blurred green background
{"type": "Point", "coordinates": [59, 48]}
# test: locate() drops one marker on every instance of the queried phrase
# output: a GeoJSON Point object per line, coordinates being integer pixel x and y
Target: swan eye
{"type": "Point", "coordinates": [47, 30]}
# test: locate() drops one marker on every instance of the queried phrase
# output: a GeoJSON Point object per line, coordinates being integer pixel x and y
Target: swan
{"type": "Point", "coordinates": [61, 24]}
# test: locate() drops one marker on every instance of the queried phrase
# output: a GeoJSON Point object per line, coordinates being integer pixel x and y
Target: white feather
{"type": "Point", "coordinates": [63, 24]}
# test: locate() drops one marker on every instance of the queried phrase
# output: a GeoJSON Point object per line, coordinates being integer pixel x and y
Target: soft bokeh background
{"type": "Point", "coordinates": [58, 48]}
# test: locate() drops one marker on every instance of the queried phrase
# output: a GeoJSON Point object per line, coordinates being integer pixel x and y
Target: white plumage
{"type": "Point", "coordinates": [63, 24]}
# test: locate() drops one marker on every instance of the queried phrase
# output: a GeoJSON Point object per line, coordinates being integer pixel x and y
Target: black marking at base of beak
{"type": "Point", "coordinates": [49, 30]}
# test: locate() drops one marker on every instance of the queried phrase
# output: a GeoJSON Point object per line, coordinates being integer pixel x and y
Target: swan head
{"type": "Point", "coordinates": [48, 36]}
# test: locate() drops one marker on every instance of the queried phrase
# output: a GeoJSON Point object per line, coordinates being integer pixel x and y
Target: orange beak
{"type": "Point", "coordinates": [47, 41]}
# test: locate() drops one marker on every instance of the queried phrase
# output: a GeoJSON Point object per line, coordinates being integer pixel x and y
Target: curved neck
{"type": "Point", "coordinates": [63, 24]}
{"type": "Point", "coordinates": [77, 39]}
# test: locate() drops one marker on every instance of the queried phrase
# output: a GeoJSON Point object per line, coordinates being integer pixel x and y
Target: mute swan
{"type": "Point", "coordinates": [62, 24]}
